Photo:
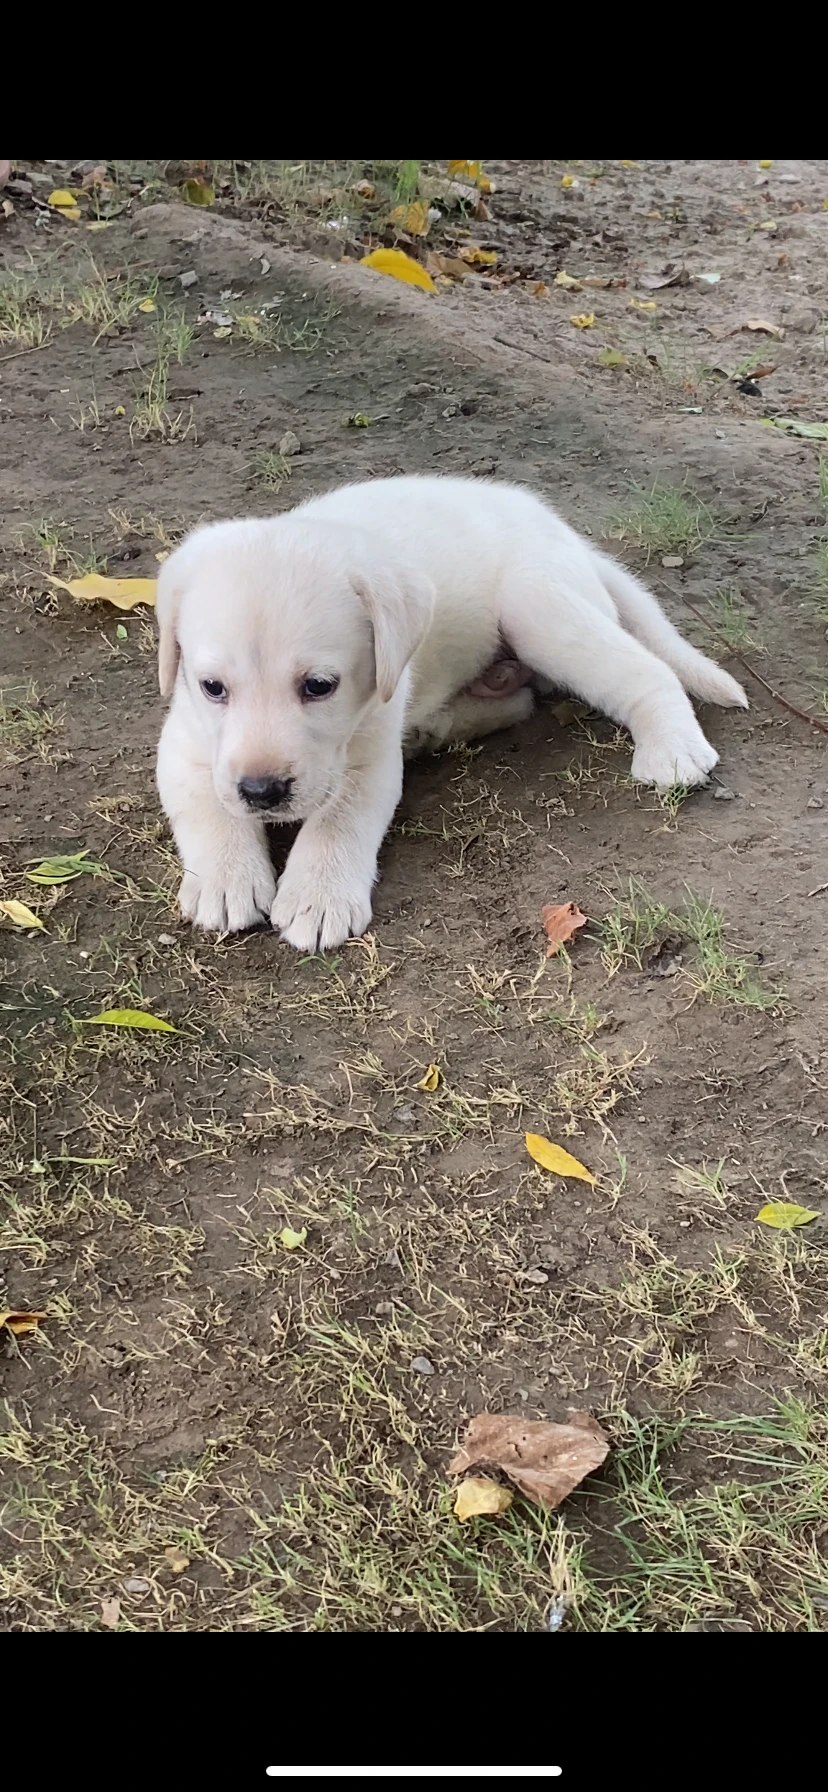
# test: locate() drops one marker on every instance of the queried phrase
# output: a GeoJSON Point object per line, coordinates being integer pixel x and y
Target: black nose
{"type": "Point", "coordinates": [265, 793]}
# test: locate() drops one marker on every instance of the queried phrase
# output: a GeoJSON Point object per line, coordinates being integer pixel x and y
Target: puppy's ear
{"type": "Point", "coordinates": [400, 606]}
{"type": "Point", "coordinates": [168, 594]}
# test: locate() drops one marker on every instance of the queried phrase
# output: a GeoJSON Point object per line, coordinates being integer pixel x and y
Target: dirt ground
{"type": "Point", "coordinates": [210, 1431]}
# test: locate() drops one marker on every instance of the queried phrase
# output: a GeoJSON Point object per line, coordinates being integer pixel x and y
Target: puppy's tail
{"type": "Point", "coordinates": [644, 618]}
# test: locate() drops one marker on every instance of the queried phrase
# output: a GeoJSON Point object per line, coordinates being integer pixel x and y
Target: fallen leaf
{"type": "Point", "coordinates": [629, 164]}
{"type": "Point", "coordinates": [21, 1322]}
{"type": "Point", "coordinates": [813, 432]}
{"type": "Point", "coordinates": [95, 589]}
{"type": "Point", "coordinates": [477, 257]}
{"type": "Point", "coordinates": [431, 1080]}
{"type": "Point", "coordinates": [176, 1559]}
{"type": "Point", "coordinates": [568, 281]}
{"type": "Point", "coordinates": [760, 323]}
{"type": "Point", "coordinates": [147, 305]}
{"type": "Point", "coordinates": [20, 915]}
{"type": "Point", "coordinates": [612, 357]}
{"type": "Point", "coordinates": [96, 177]}
{"type": "Point", "coordinates": [583, 320]}
{"type": "Point", "coordinates": [602, 281]}
{"type": "Point", "coordinates": [292, 1240]}
{"type": "Point", "coordinates": [62, 199]}
{"type": "Point", "coordinates": [63, 867]}
{"type": "Point", "coordinates": [365, 189]}
{"type": "Point", "coordinates": [121, 634]}
{"type": "Point", "coordinates": [544, 1461]}
{"type": "Point", "coordinates": [540, 290]}
{"type": "Point", "coordinates": [359, 420]}
{"type": "Point", "coordinates": [471, 171]}
{"type": "Point", "coordinates": [101, 224]}
{"type": "Point", "coordinates": [568, 180]}
{"type": "Point", "coordinates": [129, 1017]}
{"type": "Point", "coordinates": [641, 305]}
{"type": "Point", "coordinates": [766, 164]}
{"type": "Point", "coordinates": [478, 1497]}
{"type": "Point", "coordinates": [785, 1216]}
{"type": "Point", "coordinates": [448, 265]}
{"type": "Point", "coordinates": [709, 279]}
{"type": "Point", "coordinates": [400, 266]}
{"type": "Point", "coordinates": [561, 923]}
{"type": "Point", "coordinates": [769, 224]}
{"type": "Point", "coordinates": [554, 1158]}
{"type": "Point", "coordinates": [414, 218]}
{"type": "Point", "coordinates": [110, 1613]}
{"type": "Point", "coordinates": [120, 410]}
{"type": "Point", "coordinates": [197, 192]}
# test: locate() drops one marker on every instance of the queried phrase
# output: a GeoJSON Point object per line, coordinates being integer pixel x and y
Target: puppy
{"type": "Point", "coordinates": [303, 652]}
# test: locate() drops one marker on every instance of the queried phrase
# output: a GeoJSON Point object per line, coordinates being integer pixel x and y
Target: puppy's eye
{"type": "Point", "coordinates": [314, 689]}
{"type": "Point", "coordinates": [214, 689]}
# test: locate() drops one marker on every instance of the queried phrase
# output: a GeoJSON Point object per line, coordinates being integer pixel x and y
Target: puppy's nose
{"type": "Point", "coordinates": [265, 793]}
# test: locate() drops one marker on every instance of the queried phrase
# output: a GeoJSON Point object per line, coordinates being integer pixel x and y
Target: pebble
{"type": "Point", "coordinates": [815, 802]}
{"type": "Point", "coordinates": [422, 1366]}
{"type": "Point", "coordinates": [166, 939]}
{"type": "Point", "coordinates": [723, 795]}
{"type": "Point", "coordinates": [188, 279]}
{"type": "Point", "coordinates": [290, 443]}
{"type": "Point", "coordinates": [135, 1586]}
{"type": "Point", "coordinates": [672, 560]}
{"type": "Point", "coordinates": [535, 1275]}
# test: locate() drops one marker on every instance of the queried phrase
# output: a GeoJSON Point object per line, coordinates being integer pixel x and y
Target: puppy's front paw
{"type": "Point", "coordinates": [316, 910]}
{"type": "Point", "coordinates": [682, 757]}
{"type": "Point", "coordinates": [228, 899]}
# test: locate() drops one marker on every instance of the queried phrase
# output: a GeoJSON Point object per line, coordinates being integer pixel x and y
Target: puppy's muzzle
{"type": "Point", "coordinates": [265, 793]}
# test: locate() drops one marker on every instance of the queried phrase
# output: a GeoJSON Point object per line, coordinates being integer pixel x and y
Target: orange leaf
{"type": "Point", "coordinates": [21, 1322]}
{"type": "Point", "coordinates": [560, 922]}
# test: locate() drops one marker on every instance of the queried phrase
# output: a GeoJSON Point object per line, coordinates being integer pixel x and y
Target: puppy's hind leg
{"type": "Point", "coordinates": [469, 718]}
{"type": "Point", "coordinates": [554, 626]}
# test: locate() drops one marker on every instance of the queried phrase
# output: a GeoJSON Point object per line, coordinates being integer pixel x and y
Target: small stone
{"type": "Point", "coordinates": [672, 560]}
{"type": "Point", "coordinates": [815, 802]}
{"type": "Point", "coordinates": [391, 1260]}
{"type": "Point", "coordinates": [188, 279]}
{"type": "Point", "coordinates": [422, 1366]}
{"type": "Point", "coordinates": [396, 1611]}
{"type": "Point", "coordinates": [136, 1586]}
{"type": "Point", "coordinates": [723, 795]}
{"type": "Point", "coordinates": [384, 1308]}
{"type": "Point", "coordinates": [405, 1116]}
{"type": "Point", "coordinates": [535, 1275]}
{"type": "Point", "coordinates": [166, 939]}
{"type": "Point", "coordinates": [290, 443]}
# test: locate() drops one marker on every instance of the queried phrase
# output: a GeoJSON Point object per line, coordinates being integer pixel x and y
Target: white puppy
{"type": "Point", "coordinates": [304, 651]}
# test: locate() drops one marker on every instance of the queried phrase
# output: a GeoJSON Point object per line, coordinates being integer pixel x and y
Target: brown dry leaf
{"type": "Point", "coordinates": [478, 1497]}
{"type": "Point", "coordinates": [760, 323]}
{"type": "Point", "coordinates": [176, 1559]}
{"type": "Point", "coordinates": [448, 265]}
{"type": "Point", "coordinates": [21, 1322]}
{"type": "Point", "coordinates": [540, 290]}
{"type": "Point", "coordinates": [602, 281]}
{"type": "Point", "coordinates": [560, 922]}
{"type": "Point", "coordinates": [544, 1461]}
{"type": "Point", "coordinates": [110, 1613]}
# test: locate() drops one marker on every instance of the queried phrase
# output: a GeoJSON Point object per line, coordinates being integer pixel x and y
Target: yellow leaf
{"type": "Point", "coordinates": [101, 224]}
{"type": "Point", "coordinates": [766, 164]}
{"type": "Point", "coordinates": [611, 357]}
{"type": "Point", "coordinates": [400, 266]}
{"type": "Point", "coordinates": [21, 1322]}
{"type": "Point", "coordinates": [147, 305]}
{"type": "Point", "coordinates": [641, 305]}
{"type": "Point", "coordinates": [565, 279]}
{"type": "Point", "coordinates": [292, 1240]}
{"type": "Point", "coordinates": [470, 171]}
{"type": "Point", "coordinates": [554, 1158]}
{"type": "Point", "coordinates": [223, 331]}
{"type": "Point", "coordinates": [21, 915]}
{"type": "Point", "coordinates": [414, 218]}
{"type": "Point", "coordinates": [629, 164]}
{"type": "Point", "coordinates": [129, 1017]}
{"type": "Point", "coordinates": [784, 1216]}
{"type": "Point", "coordinates": [120, 410]}
{"type": "Point", "coordinates": [477, 257]}
{"type": "Point", "coordinates": [479, 1497]}
{"type": "Point", "coordinates": [62, 199]}
{"type": "Point", "coordinates": [583, 320]}
{"type": "Point", "coordinates": [176, 1559]}
{"type": "Point", "coordinates": [431, 1080]}
{"type": "Point", "coordinates": [94, 589]}
{"type": "Point", "coordinates": [197, 192]}
{"type": "Point", "coordinates": [568, 180]}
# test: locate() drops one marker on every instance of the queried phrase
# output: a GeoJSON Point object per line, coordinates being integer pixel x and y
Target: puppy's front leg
{"type": "Point", "coordinates": [324, 894]}
{"type": "Point", "coordinates": [228, 881]}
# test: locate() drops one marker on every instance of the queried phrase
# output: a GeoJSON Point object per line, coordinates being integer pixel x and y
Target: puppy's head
{"type": "Point", "coordinates": [285, 632]}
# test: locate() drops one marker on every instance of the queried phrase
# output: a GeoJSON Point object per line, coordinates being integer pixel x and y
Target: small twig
{"type": "Point", "coordinates": [523, 350]}
{"type": "Point", "coordinates": [819, 890]}
{"type": "Point", "coordinates": [733, 654]}
{"type": "Point", "coordinates": [27, 351]}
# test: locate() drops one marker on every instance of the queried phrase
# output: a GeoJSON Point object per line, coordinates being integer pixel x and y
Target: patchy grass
{"type": "Point", "coordinates": [27, 727]}
{"type": "Point", "coordinates": [662, 520]}
{"type": "Point", "coordinates": [638, 923]}
{"type": "Point", "coordinates": [733, 621]}
{"type": "Point", "coordinates": [152, 415]}
{"type": "Point", "coordinates": [272, 470]}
